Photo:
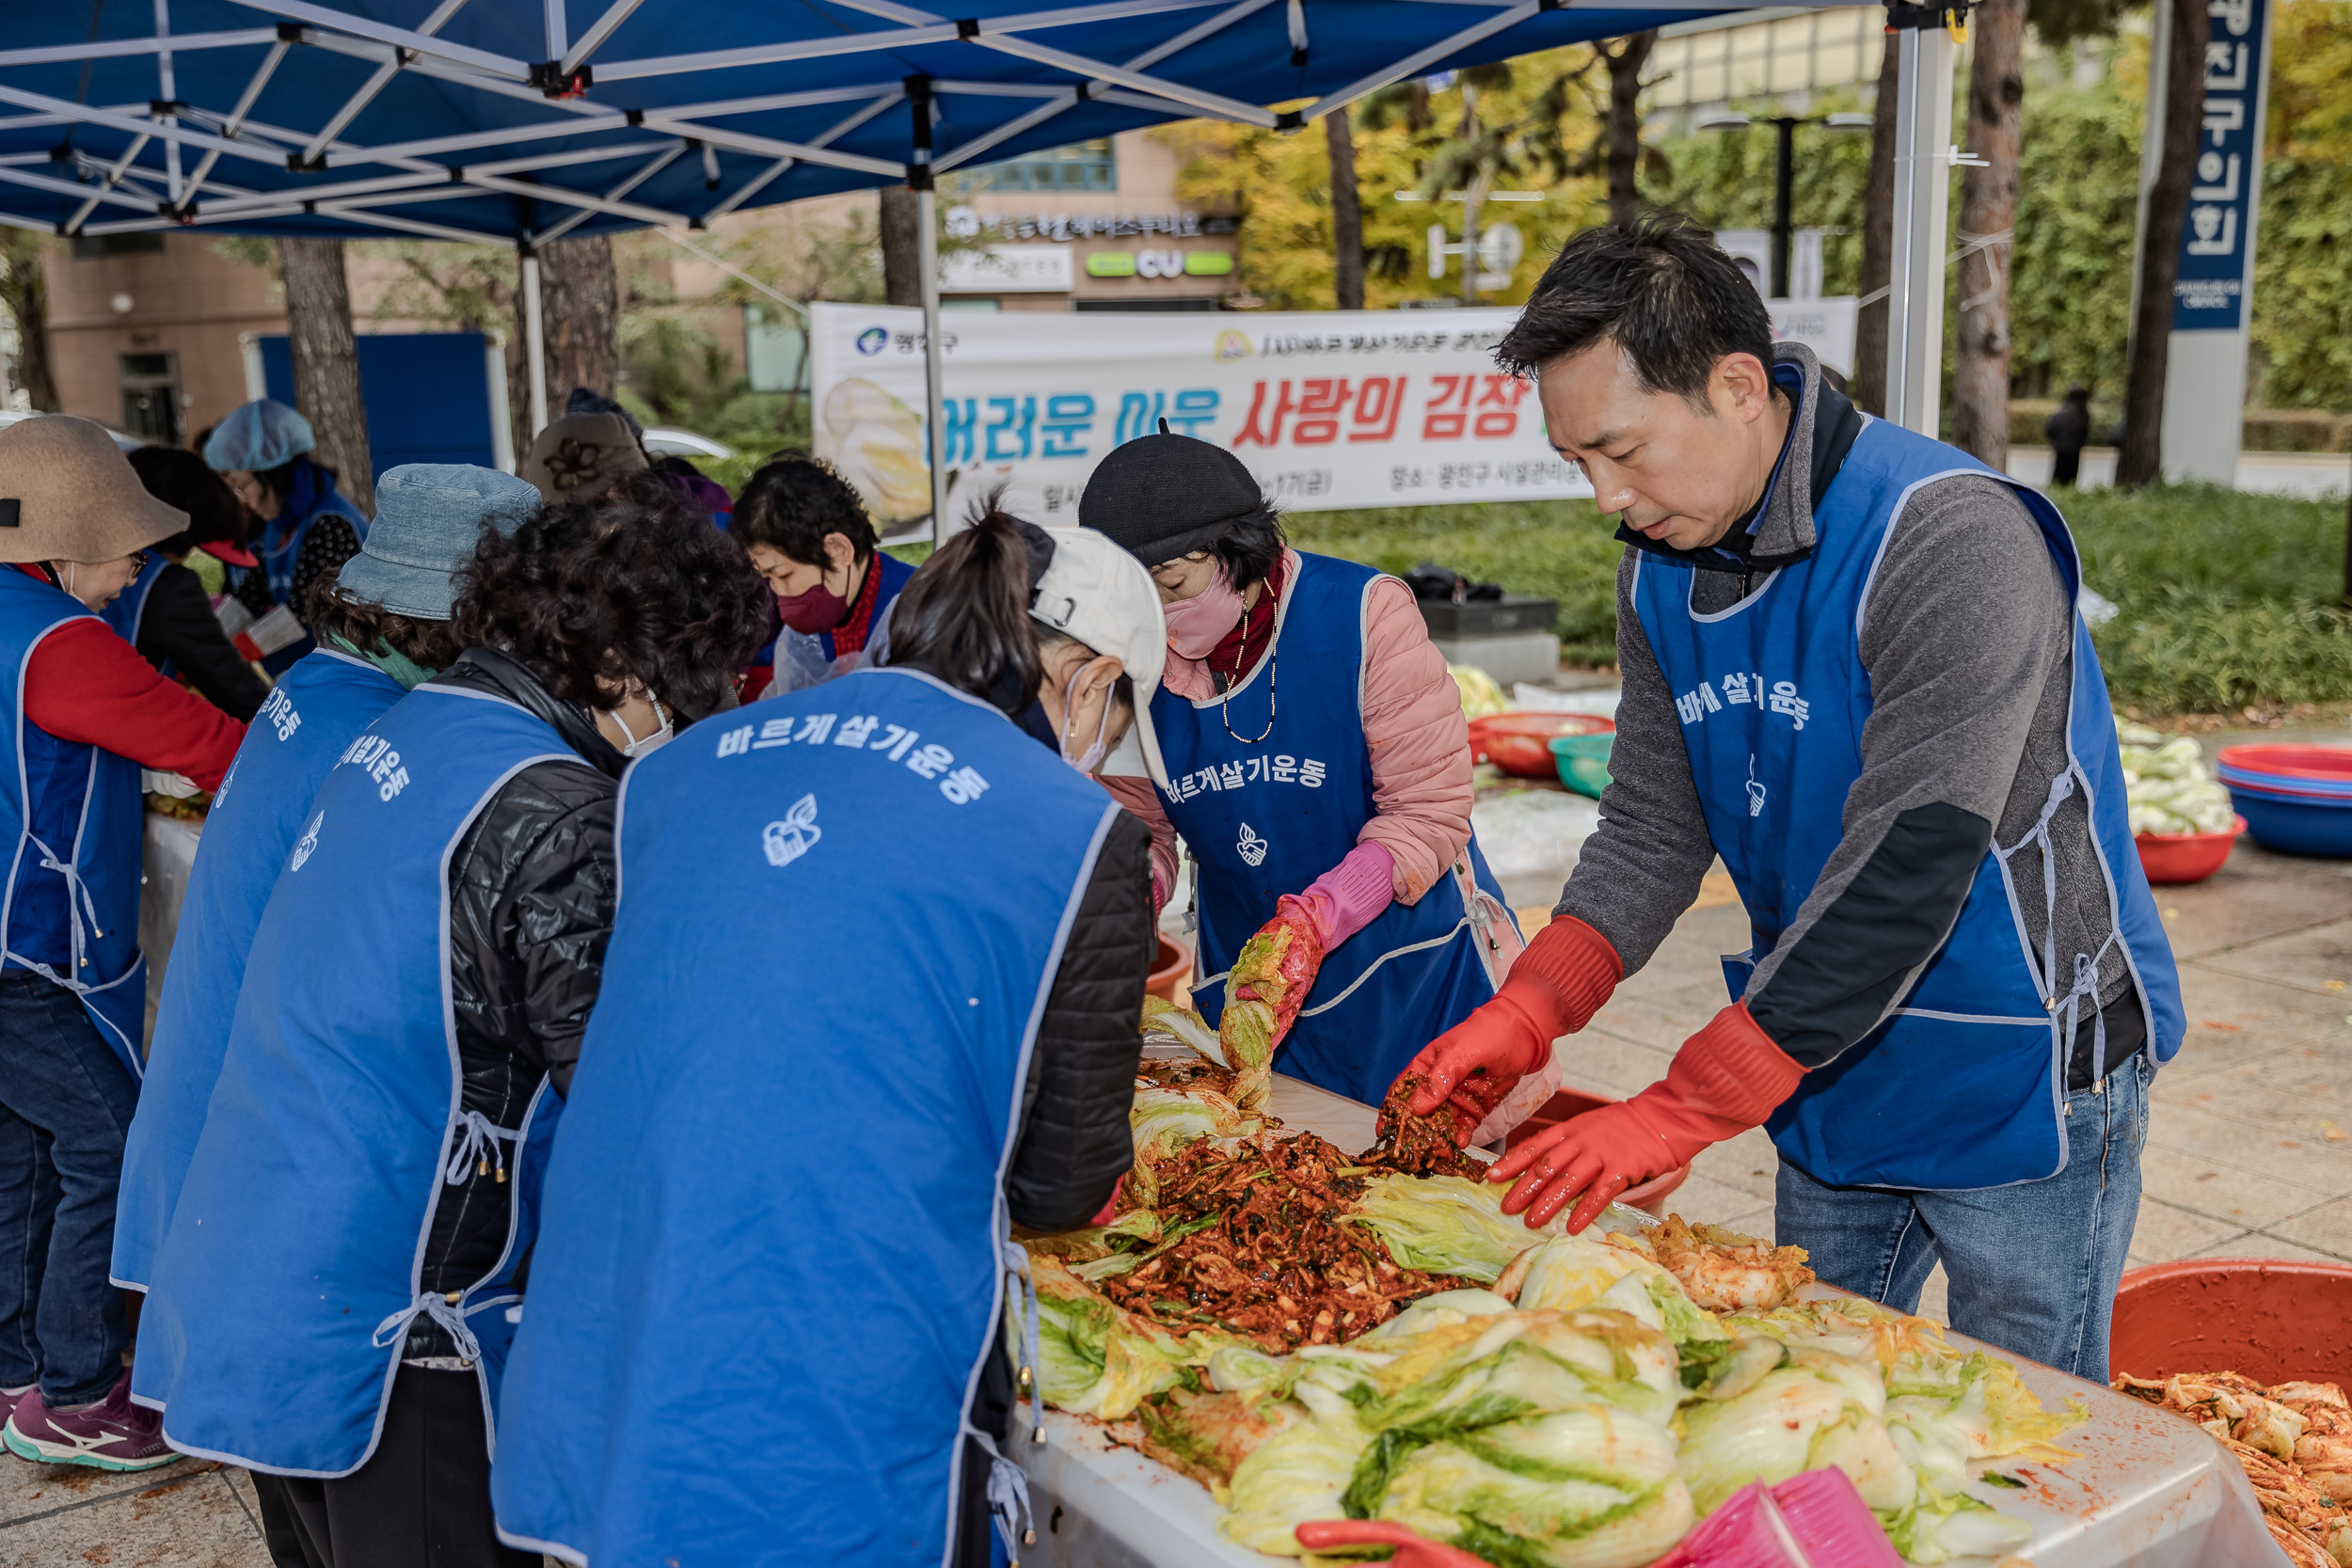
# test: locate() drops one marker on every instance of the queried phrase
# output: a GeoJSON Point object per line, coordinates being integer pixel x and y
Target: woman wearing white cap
{"type": "Point", "coordinates": [870, 997]}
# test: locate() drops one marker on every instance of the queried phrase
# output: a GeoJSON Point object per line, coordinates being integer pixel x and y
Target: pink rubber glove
{"type": "Point", "coordinates": [1349, 897]}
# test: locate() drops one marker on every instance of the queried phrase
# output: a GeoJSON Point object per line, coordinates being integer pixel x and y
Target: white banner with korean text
{"type": "Point", "coordinates": [1330, 409]}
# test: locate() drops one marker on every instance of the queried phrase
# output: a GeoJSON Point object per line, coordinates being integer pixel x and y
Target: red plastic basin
{"type": "Point", "coordinates": [1171, 965]}
{"type": "Point", "coordinates": [2185, 857]}
{"type": "Point", "coordinates": [1651, 1197]}
{"type": "Point", "coordinates": [2273, 1319]}
{"type": "Point", "coordinates": [2324, 764]}
{"type": "Point", "coordinates": [1520, 743]}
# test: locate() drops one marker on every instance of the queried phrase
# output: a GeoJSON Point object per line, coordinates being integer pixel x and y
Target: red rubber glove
{"type": "Point", "coordinates": [1726, 1078]}
{"type": "Point", "coordinates": [1412, 1551]}
{"type": "Point", "coordinates": [1553, 989]}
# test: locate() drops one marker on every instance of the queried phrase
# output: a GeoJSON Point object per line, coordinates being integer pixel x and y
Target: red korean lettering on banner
{"type": "Point", "coordinates": [1446, 415]}
{"type": "Point", "coordinates": [1497, 407]}
{"type": "Point", "coordinates": [1320, 403]}
{"type": "Point", "coordinates": [1378, 402]}
{"type": "Point", "coordinates": [1268, 434]}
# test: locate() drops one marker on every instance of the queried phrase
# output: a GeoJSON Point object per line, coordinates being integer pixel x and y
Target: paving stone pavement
{"type": "Point", "coordinates": [2249, 1155]}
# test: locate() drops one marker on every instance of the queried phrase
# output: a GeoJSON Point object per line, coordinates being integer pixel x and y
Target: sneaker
{"type": "Point", "coordinates": [112, 1434]}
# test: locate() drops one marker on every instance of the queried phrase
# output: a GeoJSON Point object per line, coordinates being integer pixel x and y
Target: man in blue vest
{"type": "Point", "coordinates": [1854, 670]}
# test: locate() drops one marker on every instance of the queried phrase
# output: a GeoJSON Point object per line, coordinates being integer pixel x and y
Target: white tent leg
{"type": "Point", "coordinates": [934, 421]}
{"type": "Point", "coordinates": [1923, 133]}
{"type": "Point", "coordinates": [534, 346]}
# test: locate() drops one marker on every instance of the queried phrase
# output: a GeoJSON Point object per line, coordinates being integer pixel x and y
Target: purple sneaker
{"type": "Point", "coordinates": [112, 1434]}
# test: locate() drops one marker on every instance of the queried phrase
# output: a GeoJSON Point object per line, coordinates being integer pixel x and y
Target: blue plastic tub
{"type": "Point", "coordinates": [1582, 761]}
{"type": "Point", "coordinates": [2298, 825]}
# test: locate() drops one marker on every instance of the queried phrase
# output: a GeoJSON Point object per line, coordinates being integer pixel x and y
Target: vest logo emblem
{"type": "Point", "coordinates": [307, 844]}
{"type": "Point", "coordinates": [1756, 791]}
{"type": "Point", "coordinates": [796, 835]}
{"type": "Point", "coordinates": [1251, 847]}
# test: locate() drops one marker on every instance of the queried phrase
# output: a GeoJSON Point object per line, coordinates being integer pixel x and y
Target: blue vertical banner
{"type": "Point", "coordinates": [2217, 270]}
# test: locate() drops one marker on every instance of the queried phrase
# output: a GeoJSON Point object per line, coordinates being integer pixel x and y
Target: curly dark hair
{"type": "Point", "coordinates": [327, 610]}
{"type": "Point", "coordinates": [792, 503]}
{"type": "Point", "coordinates": [588, 593]}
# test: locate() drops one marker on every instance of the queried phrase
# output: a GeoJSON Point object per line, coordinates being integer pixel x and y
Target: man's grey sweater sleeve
{"type": "Point", "coordinates": [1641, 868]}
{"type": "Point", "coordinates": [1965, 623]}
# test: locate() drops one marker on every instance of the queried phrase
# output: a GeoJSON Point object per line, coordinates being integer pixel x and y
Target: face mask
{"type": "Point", "coordinates": [1198, 624]}
{"type": "Point", "coordinates": [1094, 758]}
{"type": "Point", "coordinates": [818, 609]}
{"type": "Point", "coordinates": [652, 742]}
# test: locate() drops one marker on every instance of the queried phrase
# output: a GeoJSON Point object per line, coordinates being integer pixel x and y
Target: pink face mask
{"type": "Point", "coordinates": [1198, 624]}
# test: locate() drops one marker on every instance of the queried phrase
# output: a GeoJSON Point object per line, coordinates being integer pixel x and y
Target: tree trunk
{"type": "Point", "coordinates": [327, 363]}
{"type": "Point", "coordinates": [518, 373]}
{"type": "Point", "coordinates": [1988, 205]}
{"type": "Point", "coordinates": [24, 291]}
{"type": "Point", "coordinates": [1347, 213]}
{"type": "Point", "coordinates": [2141, 461]}
{"type": "Point", "coordinates": [1869, 382]}
{"type": "Point", "coordinates": [902, 244]}
{"type": "Point", "coordinates": [581, 313]}
{"type": "Point", "coordinates": [1625, 125]}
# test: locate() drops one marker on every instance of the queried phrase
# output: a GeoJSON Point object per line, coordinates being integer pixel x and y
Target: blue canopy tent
{"type": "Point", "coordinates": [496, 120]}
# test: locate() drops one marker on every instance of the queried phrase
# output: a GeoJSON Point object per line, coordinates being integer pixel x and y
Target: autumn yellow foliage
{"type": "Point", "coordinates": [1279, 184]}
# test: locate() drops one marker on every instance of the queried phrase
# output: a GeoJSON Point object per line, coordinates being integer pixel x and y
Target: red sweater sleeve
{"type": "Point", "coordinates": [89, 686]}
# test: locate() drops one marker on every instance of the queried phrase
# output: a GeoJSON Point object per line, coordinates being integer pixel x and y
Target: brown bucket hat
{"type": "Point", "coordinates": [66, 492]}
{"type": "Point", "coordinates": [578, 456]}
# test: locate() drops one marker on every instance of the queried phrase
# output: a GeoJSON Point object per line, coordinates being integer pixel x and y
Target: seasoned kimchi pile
{"type": "Point", "coordinates": [1258, 1251]}
{"type": "Point", "coordinates": [1419, 1146]}
{"type": "Point", "coordinates": [2294, 1441]}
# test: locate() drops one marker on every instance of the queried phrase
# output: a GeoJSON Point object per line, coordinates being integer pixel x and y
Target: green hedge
{"type": "Point", "coordinates": [2228, 600]}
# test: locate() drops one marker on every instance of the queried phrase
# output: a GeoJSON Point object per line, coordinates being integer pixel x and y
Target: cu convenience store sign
{"type": "Point", "coordinates": [1330, 409]}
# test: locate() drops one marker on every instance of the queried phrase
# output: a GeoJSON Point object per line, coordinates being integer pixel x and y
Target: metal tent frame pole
{"type": "Point", "coordinates": [535, 345]}
{"type": "Point", "coordinates": [1923, 130]}
{"type": "Point", "coordinates": [918, 90]}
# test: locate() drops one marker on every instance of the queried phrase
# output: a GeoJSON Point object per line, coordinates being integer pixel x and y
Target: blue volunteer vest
{"type": "Point", "coordinates": [771, 1261]}
{"type": "Point", "coordinates": [71, 827]}
{"type": "Point", "coordinates": [287, 1279]}
{"type": "Point", "coordinates": [130, 606]}
{"type": "Point", "coordinates": [258, 812]}
{"type": "Point", "coordinates": [1263, 818]}
{"type": "Point", "coordinates": [1964, 1085]}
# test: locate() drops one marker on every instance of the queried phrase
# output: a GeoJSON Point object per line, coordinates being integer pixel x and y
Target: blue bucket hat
{"type": "Point", "coordinates": [428, 518]}
{"type": "Point", "coordinates": [256, 435]}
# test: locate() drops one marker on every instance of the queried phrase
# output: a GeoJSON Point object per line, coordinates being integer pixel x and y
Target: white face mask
{"type": "Point", "coordinates": [652, 742]}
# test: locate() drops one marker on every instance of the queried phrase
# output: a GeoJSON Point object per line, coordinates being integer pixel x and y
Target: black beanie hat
{"type": "Point", "coordinates": [1165, 496]}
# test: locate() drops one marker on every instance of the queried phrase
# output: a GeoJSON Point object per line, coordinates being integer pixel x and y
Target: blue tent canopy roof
{"type": "Point", "coordinates": [509, 122]}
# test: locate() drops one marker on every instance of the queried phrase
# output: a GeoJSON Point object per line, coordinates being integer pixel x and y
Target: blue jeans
{"type": "Point", "coordinates": [65, 1107]}
{"type": "Point", "coordinates": [2033, 1267]}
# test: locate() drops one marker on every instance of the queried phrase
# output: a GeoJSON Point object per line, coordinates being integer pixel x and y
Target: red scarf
{"type": "Point", "coordinates": [1248, 642]}
{"type": "Point", "coordinates": [850, 636]}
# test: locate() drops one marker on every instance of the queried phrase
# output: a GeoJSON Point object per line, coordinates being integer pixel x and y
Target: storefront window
{"type": "Point", "coordinates": [1086, 165]}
